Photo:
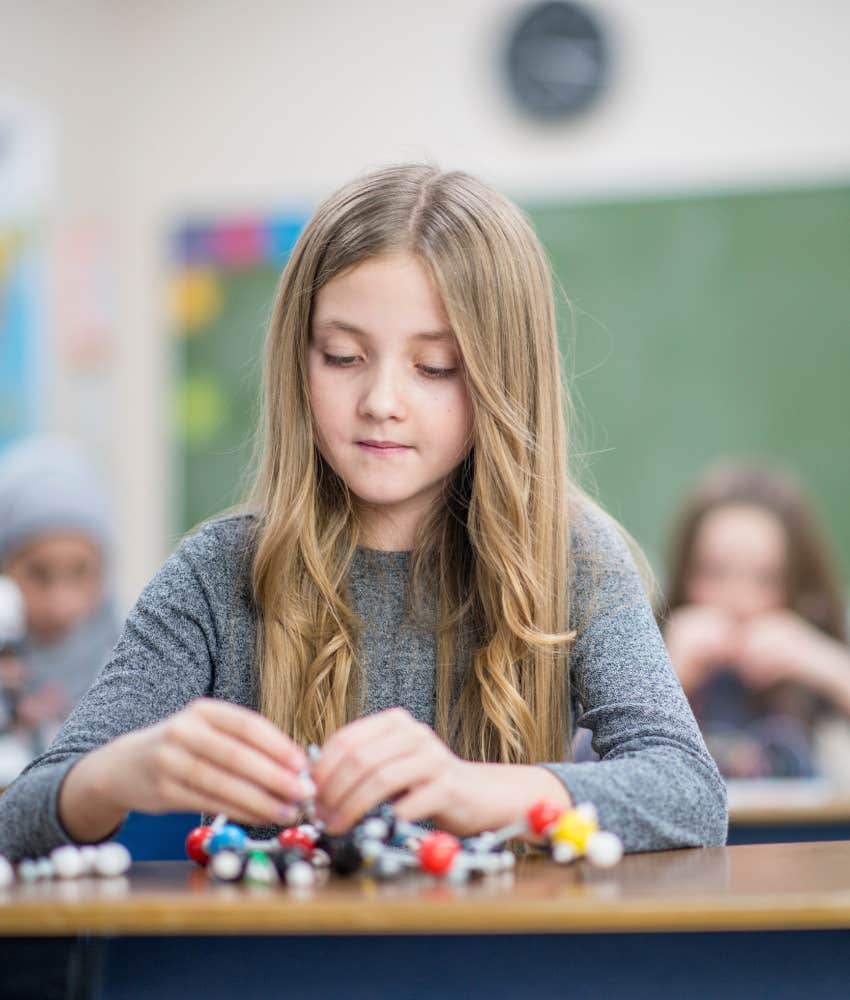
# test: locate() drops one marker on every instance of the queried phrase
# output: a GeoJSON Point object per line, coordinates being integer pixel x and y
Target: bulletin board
{"type": "Point", "coordinates": [221, 294]}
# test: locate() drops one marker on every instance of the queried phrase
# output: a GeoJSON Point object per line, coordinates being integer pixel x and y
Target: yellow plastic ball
{"type": "Point", "coordinates": [574, 828]}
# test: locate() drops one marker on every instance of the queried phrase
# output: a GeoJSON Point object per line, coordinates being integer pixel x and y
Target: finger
{"type": "Point", "coordinates": [187, 799]}
{"type": "Point", "coordinates": [421, 802]}
{"type": "Point", "coordinates": [361, 731]}
{"type": "Point", "coordinates": [251, 727]}
{"type": "Point", "coordinates": [361, 762]}
{"type": "Point", "coordinates": [240, 759]}
{"type": "Point", "coordinates": [398, 776]}
{"type": "Point", "coordinates": [212, 782]}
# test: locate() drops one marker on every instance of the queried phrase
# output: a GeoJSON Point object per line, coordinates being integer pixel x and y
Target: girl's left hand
{"type": "Point", "coordinates": [389, 755]}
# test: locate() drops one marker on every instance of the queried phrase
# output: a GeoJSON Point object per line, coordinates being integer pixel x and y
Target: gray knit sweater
{"type": "Point", "coordinates": [192, 631]}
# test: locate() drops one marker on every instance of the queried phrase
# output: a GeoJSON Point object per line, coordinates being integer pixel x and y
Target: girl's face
{"type": "Point", "coordinates": [61, 578]}
{"type": "Point", "coordinates": [388, 396]}
{"type": "Point", "coordinates": [738, 562]}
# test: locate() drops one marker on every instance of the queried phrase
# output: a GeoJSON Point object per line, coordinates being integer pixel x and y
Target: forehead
{"type": "Point", "coordinates": [392, 295]}
{"type": "Point", "coordinates": [57, 548]}
{"type": "Point", "coordinates": [743, 534]}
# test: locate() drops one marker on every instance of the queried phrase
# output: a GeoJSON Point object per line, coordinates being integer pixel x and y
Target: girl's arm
{"type": "Point", "coordinates": [210, 757]}
{"type": "Point", "coordinates": [655, 784]}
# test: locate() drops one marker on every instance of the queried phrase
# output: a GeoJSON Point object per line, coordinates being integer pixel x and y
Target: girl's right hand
{"type": "Point", "coordinates": [699, 638]}
{"type": "Point", "coordinates": [212, 757]}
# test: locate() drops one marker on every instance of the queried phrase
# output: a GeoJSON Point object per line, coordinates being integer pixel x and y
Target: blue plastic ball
{"type": "Point", "coordinates": [230, 837]}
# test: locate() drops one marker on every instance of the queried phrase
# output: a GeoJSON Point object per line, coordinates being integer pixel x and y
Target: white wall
{"type": "Point", "coordinates": [168, 107]}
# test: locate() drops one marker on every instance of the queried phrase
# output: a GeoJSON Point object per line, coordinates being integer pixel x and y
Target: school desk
{"type": "Point", "coordinates": [778, 810]}
{"type": "Point", "coordinates": [768, 920]}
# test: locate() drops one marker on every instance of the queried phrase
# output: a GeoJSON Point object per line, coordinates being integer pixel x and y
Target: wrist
{"type": "Point", "coordinates": [500, 794]}
{"type": "Point", "coordinates": [90, 802]}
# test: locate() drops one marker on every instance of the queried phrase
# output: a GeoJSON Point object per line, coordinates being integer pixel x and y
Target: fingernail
{"type": "Point", "coordinates": [308, 788]}
{"type": "Point", "coordinates": [287, 813]}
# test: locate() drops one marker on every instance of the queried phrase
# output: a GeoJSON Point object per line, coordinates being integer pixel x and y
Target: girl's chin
{"type": "Point", "coordinates": [377, 500]}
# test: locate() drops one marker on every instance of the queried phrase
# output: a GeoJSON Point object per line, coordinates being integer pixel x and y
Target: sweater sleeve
{"type": "Point", "coordinates": [655, 784]}
{"type": "Point", "coordinates": [164, 658]}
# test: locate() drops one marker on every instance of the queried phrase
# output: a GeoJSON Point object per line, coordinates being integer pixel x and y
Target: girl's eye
{"type": "Point", "coordinates": [340, 361]}
{"type": "Point", "coordinates": [436, 372]}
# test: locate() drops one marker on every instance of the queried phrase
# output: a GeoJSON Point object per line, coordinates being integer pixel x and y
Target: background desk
{"type": "Point", "coordinates": [767, 920]}
{"type": "Point", "coordinates": [779, 811]}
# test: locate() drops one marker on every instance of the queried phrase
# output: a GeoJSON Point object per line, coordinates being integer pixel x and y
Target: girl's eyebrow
{"type": "Point", "coordinates": [341, 324]}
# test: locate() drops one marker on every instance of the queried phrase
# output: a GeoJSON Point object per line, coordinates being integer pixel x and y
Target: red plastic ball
{"type": "Point", "coordinates": [437, 852]}
{"type": "Point", "coordinates": [293, 837]}
{"type": "Point", "coordinates": [197, 842]}
{"type": "Point", "coordinates": [543, 814]}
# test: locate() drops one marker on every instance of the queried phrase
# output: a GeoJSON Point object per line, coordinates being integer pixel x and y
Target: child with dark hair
{"type": "Point", "coordinates": [755, 623]}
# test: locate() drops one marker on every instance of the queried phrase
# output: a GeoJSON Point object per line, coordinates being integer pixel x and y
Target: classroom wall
{"type": "Point", "coordinates": [164, 109]}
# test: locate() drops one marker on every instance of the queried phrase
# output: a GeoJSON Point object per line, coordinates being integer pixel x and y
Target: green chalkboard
{"type": "Point", "coordinates": [698, 327]}
{"type": "Point", "coordinates": [706, 327]}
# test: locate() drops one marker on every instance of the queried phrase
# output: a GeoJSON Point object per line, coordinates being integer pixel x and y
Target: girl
{"type": "Point", "coordinates": [756, 626]}
{"type": "Point", "coordinates": [55, 548]}
{"type": "Point", "coordinates": [417, 586]}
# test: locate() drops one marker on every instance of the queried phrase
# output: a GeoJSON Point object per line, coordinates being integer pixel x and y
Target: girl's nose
{"type": "Point", "coordinates": [382, 398]}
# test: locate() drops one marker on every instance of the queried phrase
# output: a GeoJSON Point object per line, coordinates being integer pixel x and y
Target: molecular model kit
{"type": "Point", "coordinates": [380, 844]}
{"type": "Point", "coordinates": [385, 847]}
{"type": "Point", "coordinates": [108, 860]}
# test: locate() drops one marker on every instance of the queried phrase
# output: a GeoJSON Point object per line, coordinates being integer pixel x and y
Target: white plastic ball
{"type": "Point", "coordinates": [460, 870]}
{"type": "Point", "coordinates": [374, 828]}
{"type": "Point", "coordinates": [44, 868]}
{"type": "Point", "coordinates": [28, 870]}
{"type": "Point", "coordinates": [371, 850]}
{"type": "Point", "coordinates": [563, 852]}
{"type": "Point", "coordinates": [226, 865]}
{"type": "Point", "coordinates": [112, 859]}
{"type": "Point", "coordinates": [88, 855]}
{"type": "Point", "coordinates": [388, 866]}
{"type": "Point", "coordinates": [604, 849]}
{"type": "Point", "coordinates": [300, 875]}
{"type": "Point", "coordinates": [261, 872]}
{"type": "Point", "coordinates": [68, 861]}
{"type": "Point", "coordinates": [587, 810]}
{"type": "Point", "coordinates": [7, 873]}
{"type": "Point", "coordinates": [508, 861]}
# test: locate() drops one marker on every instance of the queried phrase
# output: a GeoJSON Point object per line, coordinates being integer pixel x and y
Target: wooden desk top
{"type": "Point", "coordinates": [766, 886]}
{"type": "Point", "coordinates": [779, 801]}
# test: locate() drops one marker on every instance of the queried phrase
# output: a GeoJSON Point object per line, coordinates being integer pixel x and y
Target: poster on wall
{"type": "Point", "coordinates": [26, 183]}
{"type": "Point", "coordinates": [221, 293]}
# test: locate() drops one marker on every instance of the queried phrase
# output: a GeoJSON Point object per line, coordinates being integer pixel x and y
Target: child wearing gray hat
{"type": "Point", "coordinates": [55, 548]}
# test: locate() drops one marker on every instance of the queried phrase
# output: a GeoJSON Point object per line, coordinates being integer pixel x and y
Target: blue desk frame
{"type": "Point", "coordinates": [642, 966]}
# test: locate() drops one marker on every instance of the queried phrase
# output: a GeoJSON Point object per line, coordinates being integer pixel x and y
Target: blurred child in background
{"type": "Point", "coordinates": [55, 551]}
{"type": "Point", "coordinates": [755, 624]}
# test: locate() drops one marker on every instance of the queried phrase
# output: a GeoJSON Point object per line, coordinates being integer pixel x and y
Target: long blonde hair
{"type": "Point", "coordinates": [494, 550]}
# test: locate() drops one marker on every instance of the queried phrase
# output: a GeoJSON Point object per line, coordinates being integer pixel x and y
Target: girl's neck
{"type": "Point", "coordinates": [382, 534]}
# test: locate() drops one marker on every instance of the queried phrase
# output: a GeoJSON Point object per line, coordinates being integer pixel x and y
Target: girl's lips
{"type": "Point", "coordinates": [383, 449]}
